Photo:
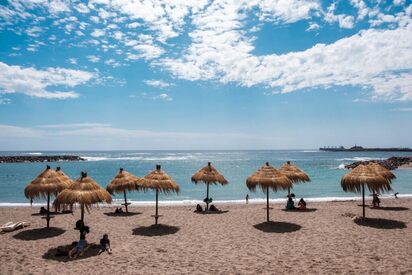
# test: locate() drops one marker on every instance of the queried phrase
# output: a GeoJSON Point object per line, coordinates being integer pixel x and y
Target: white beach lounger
{"type": "Point", "coordinates": [10, 226]}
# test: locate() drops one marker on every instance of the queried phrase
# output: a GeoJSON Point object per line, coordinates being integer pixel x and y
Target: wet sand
{"type": "Point", "coordinates": [324, 240]}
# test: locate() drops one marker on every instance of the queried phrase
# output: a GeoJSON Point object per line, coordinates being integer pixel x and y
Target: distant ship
{"type": "Point", "coordinates": [362, 149]}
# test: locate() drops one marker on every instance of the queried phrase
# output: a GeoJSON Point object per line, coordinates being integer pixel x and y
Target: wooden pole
{"type": "Point", "coordinates": [82, 213]}
{"type": "Point", "coordinates": [288, 192]}
{"type": "Point", "coordinates": [48, 210]}
{"type": "Point", "coordinates": [125, 201]}
{"type": "Point", "coordinates": [363, 199]}
{"type": "Point", "coordinates": [207, 196]}
{"type": "Point", "coordinates": [157, 198]}
{"type": "Point", "coordinates": [267, 204]}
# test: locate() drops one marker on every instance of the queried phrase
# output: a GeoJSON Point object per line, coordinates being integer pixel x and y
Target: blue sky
{"type": "Point", "coordinates": [129, 74]}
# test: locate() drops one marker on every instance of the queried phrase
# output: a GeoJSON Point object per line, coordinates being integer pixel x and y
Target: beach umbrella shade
{"type": "Point", "coordinates": [159, 181]}
{"type": "Point", "coordinates": [63, 177]}
{"type": "Point", "coordinates": [124, 182]}
{"type": "Point", "coordinates": [44, 185]}
{"type": "Point", "coordinates": [293, 173]}
{"type": "Point", "coordinates": [267, 177]}
{"type": "Point", "coordinates": [84, 191]}
{"type": "Point", "coordinates": [379, 169]}
{"type": "Point", "coordinates": [362, 175]}
{"type": "Point", "coordinates": [208, 175]}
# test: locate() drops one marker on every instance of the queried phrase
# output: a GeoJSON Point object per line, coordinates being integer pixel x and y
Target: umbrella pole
{"type": "Point", "coordinates": [48, 210]}
{"type": "Point", "coordinates": [207, 196]}
{"type": "Point", "coordinates": [82, 213]}
{"type": "Point", "coordinates": [363, 199]}
{"type": "Point", "coordinates": [157, 198]}
{"type": "Point", "coordinates": [125, 201]}
{"type": "Point", "coordinates": [267, 204]}
{"type": "Point", "coordinates": [288, 192]}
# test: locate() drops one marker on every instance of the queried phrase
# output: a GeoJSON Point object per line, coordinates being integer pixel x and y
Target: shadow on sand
{"type": "Point", "coordinates": [390, 208]}
{"type": "Point", "coordinates": [39, 233]}
{"type": "Point", "coordinates": [124, 214]}
{"type": "Point", "coordinates": [277, 227]}
{"type": "Point", "coordinates": [212, 212]}
{"type": "Point", "coordinates": [301, 211]}
{"type": "Point", "coordinates": [155, 230]}
{"type": "Point", "coordinates": [381, 223]}
{"type": "Point", "coordinates": [92, 250]}
{"type": "Point", "coordinates": [52, 214]}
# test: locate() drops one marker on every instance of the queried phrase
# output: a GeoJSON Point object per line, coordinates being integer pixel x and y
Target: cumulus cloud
{"type": "Point", "coordinates": [33, 82]}
{"type": "Point", "coordinates": [157, 83]}
{"type": "Point", "coordinates": [164, 97]}
{"type": "Point", "coordinates": [93, 58]}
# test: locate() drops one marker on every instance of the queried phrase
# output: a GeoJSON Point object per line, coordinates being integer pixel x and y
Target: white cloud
{"type": "Point", "coordinates": [313, 26]}
{"type": "Point", "coordinates": [93, 58]}
{"type": "Point", "coordinates": [98, 33]}
{"type": "Point", "coordinates": [82, 8]}
{"type": "Point", "coordinates": [113, 63]}
{"type": "Point", "coordinates": [35, 83]}
{"type": "Point", "coordinates": [4, 101]}
{"type": "Point", "coordinates": [9, 131]}
{"type": "Point", "coordinates": [72, 61]}
{"type": "Point", "coordinates": [164, 97]}
{"type": "Point", "coordinates": [345, 21]}
{"type": "Point", "coordinates": [157, 83]}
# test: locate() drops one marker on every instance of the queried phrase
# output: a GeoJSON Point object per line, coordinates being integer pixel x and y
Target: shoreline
{"type": "Point", "coordinates": [177, 203]}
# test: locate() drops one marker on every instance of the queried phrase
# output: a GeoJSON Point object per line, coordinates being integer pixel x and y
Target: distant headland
{"type": "Point", "coordinates": [362, 149]}
{"type": "Point", "coordinates": [18, 159]}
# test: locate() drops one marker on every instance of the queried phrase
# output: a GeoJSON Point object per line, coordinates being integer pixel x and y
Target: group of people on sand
{"type": "Point", "coordinates": [290, 204]}
{"type": "Point", "coordinates": [79, 248]}
{"type": "Point", "coordinates": [212, 208]}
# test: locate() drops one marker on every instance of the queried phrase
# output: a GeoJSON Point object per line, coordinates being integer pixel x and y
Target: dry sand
{"type": "Point", "coordinates": [237, 242]}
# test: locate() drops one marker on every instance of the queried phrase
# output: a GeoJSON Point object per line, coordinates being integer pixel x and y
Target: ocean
{"type": "Point", "coordinates": [324, 168]}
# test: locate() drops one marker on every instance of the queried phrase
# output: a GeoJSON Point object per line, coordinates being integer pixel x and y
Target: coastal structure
{"type": "Point", "coordinates": [362, 149]}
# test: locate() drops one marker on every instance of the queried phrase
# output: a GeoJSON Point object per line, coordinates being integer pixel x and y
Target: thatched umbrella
{"type": "Point", "coordinates": [46, 184]}
{"type": "Point", "coordinates": [379, 169]}
{"type": "Point", "coordinates": [124, 182]}
{"type": "Point", "coordinates": [268, 177]}
{"type": "Point", "coordinates": [362, 175]}
{"type": "Point", "coordinates": [161, 182]}
{"type": "Point", "coordinates": [65, 178]}
{"type": "Point", "coordinates": [84, 191]}
{"type": "Point", "coordinates": [208, 175]}
{"type": "Point", "coordinates": [293, 173]}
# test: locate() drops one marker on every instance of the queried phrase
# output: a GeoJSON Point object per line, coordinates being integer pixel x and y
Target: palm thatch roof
{"type": "Point", "coordinates": [268, 177]}
{"type": "Point", "coordinates": [47, 183]}
{"type": "Point", "coordinates": [293, 173]}
{"type": "Point", "coordinates": [124, 181]}
{"type": "Point", "coordinates": [379, 169]}
{"type": "Point", "coordinates": [364, 175]}
{"type": "Point", "coordinates": [63, 177]}
{"type": "Point", "coordinates": [160, 180]}
{"type": "Point", "coordinates": [209, 174]}
{"type": "Point", "coordinates": [84, 191]}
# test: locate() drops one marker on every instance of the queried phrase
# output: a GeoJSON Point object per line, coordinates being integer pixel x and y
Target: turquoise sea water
{"type": "Point", "coordinates": [324, 168]}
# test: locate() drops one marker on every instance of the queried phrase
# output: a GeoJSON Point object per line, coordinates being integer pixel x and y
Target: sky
{"type": "Point", "coordinates": [201, 75]}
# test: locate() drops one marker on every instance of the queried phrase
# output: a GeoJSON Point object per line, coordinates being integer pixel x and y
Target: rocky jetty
{"type": "Point", "coordinates": [390, 163]}
{"type": "Point", "coordinates": [17, 159]}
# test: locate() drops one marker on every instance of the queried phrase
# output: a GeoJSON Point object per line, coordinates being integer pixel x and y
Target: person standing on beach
{"type": "Point", "coordinates": [247, 198]}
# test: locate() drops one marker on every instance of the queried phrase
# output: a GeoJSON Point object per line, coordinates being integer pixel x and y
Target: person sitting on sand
{"type": "Point", "coordinates": [375, 201]}
{"type": "Point", "coordinates": [199, 208]}
{"type": "Point", "coordinates": [118, 210]}
{"type": "Point", "coordinates": [43, 211]}
{"type": "Point", "coordinates": [105, 245]}
{"type": "Point", "coordinates": [79, 249]}
{"type": "Point", "coordinates": [302, 204]}
{"type": "Point", "coordinates": [290, 205]}
{"type": "Point", "coordinates": [213, 208]}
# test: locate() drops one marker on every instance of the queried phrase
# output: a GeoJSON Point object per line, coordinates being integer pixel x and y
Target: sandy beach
{"type": "Point", "coordinates": [325, 240]}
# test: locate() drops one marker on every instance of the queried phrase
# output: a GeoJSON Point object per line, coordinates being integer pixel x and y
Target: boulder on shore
{"type": "Point", "coordinates": [17, 159]}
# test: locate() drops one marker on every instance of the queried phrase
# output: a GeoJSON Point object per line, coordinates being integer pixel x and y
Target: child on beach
{"type": "Point", "coordinates": [79, 249]}
{"type": "Point", "coordinates": [105, 245]}
{"type": "Point", "coordinates": [290, 205]}
{"type": "Point", "coordinates": [302, 204]}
